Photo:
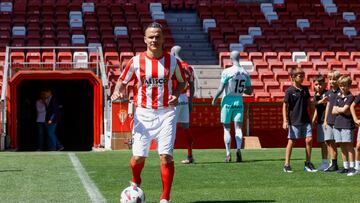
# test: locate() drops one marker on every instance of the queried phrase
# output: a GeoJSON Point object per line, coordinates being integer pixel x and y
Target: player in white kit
{"type": "Point", "coordinates": [153, 72]}
{"type": "Point", "coordinates": [234, 82]}
{"type": "Point", "coordinates": [184, 107]}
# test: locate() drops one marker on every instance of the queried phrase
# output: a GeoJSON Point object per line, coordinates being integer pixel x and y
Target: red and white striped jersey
{"type": "Point", "coordinates": [189, 76]}
{"type": "Point", "coordinates": [153, 79]}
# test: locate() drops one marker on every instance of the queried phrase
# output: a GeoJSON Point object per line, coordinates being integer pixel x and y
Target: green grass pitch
{"type": "Point", "coordinates": [51, 177]}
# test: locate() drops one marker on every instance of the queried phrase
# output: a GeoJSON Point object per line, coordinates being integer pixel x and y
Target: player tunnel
{"type": "Point", "coordinates": [80, 103]}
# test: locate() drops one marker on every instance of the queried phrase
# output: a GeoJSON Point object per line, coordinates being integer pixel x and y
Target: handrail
{"type": "Point", "coordinates": [3, 100]}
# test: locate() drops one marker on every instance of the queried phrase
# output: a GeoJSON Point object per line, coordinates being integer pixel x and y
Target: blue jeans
{"type": "Point", "coordinates": [41, 135]}
{"type": "Point", "coordinates": [53, 141]}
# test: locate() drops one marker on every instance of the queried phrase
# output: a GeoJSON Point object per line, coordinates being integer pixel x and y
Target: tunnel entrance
{"type": "Point", "coordinates": [75, 129]}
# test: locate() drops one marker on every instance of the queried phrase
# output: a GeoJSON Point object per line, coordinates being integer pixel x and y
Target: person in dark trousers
{"type": "Point", "coordinates": [51, 119]}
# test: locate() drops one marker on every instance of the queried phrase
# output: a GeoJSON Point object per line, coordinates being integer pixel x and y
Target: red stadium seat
{"type": "Point", "coordinates": [342, 56]}
{"type": "Point", "coordinates": [257, 86]}
{"type": "Point", "coordinates": [313, 56]}
{"type": "Point", "coordinates": [33, 57]}
{"type": "Point", "coordinates": [277, 96]}
{"type": "Point", "coordinates": [272, 86]}
{"type": "Point", "coordinates": [17, 60]}
{"type": "Point", "coordinates": [282, 76]}
{"type": "Point", "coordinates": [65, 60]}
{"type": "Point", "coordinates": [112, 60]}
{"type": "Point", "coordinates": [49, 59]}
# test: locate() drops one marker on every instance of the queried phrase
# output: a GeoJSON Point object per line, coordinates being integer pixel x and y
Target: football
{"type": "Point", "coordinates": [132, 194]}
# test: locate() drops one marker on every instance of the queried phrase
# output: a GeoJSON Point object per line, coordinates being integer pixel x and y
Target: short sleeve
{"type": "Point", "coordinates": [357, 99]}
{"type": "Point", "coordinates": [128, 72]}
{"type": "Point", "coordinates": [287, 97]}
{"type": "Point", "coordinates": [224, 77]}
{"type": "Point", "coordinates": [349, 100]}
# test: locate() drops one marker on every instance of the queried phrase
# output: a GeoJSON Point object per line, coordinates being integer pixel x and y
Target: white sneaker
{"type": "Point", "coordinates": [355, 172]}
{"type": "Point", "coordinates": [164, 201]}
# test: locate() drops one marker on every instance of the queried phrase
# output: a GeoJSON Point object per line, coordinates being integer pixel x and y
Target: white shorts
{"type": "Point", "coordinates": [182, 109]}
{"type": "Point", "coordinates": [158, 124]}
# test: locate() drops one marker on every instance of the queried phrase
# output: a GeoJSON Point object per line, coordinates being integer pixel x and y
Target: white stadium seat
{"type": "Point", "coordinates": [88, 7]}
{"type": "Point", "coordinates": [299, 56]}
{"type": "Point", "coordinates": [349, 31]}
{"type": "Point", "coordinates": [245, 39]}
{"type": "Point", "coordinates": [6, 7]}
{"type": "Point", "coordinates": [120, 31]}
{"type": "Point", "coordinates": [255, 31]}
{"type": "Point", "coordinates": [80, 59]}
{"type": "Point", "coordinates": [349, 16]}
{"type": "Point", "coordinates": [155, 7]}
{"type": "Point", "coordinates": [302, 23]}
{"type": "Point", "coordinates": [78, 39]}
{"type": "Point", "coordinates": [19, 31]}
{"type": "Point", "coordinates": [207, 23]}
{"type": "Point", "coordinates": [236, 47]}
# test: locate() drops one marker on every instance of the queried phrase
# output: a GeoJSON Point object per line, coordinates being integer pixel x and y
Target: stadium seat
{"type": "Point", "coordinates": [65, 60]}
{"type": "Point", "coordinates": [277, 96]}
{"type": "Point", "coordinates": [272, 86]}
{"type": "Point", "coordinates": [208, 23]}
{"type": "Point", "coordinates": [299, 57]}
{"type": "Point", "coordinates": [276, 66]}
{"type": "Point", "coordinates": [328, 56]}
{"type": "Point", "coordinates": [17, 60]}
{"type": "Point", "coordinates": [80, 60]}
{"type": "Point", "coordinates": [88, 7]}
{"type": "Point", "coordinates": [34, 59]}
{"type": "Point", "coordinates": [282, 76]}
{"type": "Point", "coordinates": [48, 59]}
{"type": "Point", "coordinates": [262, 97]}
{"type": "Point", "coordinates": [112, 60]}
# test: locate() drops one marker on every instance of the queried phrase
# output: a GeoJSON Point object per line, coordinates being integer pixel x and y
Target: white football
{"type": "Point", "coordinates": [132, 194]}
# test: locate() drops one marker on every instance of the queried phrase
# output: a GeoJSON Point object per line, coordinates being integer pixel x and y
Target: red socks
{"type": "Point", "coordinates": [167, 176]}
{"type": "Point", "coordinates": [136, 171]}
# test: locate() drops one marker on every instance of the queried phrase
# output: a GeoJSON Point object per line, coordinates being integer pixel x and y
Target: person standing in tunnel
{"type": "Point", "coordinates": [51, 119]}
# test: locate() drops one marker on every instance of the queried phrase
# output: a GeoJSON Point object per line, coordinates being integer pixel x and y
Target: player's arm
{"type": "Point", "coordinates": [314, 117]}
{"type": "Point", "coordinates": [353, 113]}
{"type": "Point", "coordinates": [285, 116]}
{"type": "Point", "coordinates": [218, 93]}
{"type": "Point", "coordinates": [180, 78]}
{"type": "Point", "coordinates": [345, 109]}
{"type": "Point", "coordinates": [192, 92]}
{"type": "Point", "coordinates": [248, 88]}
{"type": "Point", "coordinates": [120, 87]}
{"type": "Point", "coordinates": [119, 91]}
{"type": "Point", "coordinates": [326, 114]}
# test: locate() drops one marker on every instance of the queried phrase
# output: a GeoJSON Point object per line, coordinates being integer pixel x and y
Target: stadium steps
{"type": "Point", "coordinates": [208, 80]}
{"type": "Point", "coordinates": [186, 29]}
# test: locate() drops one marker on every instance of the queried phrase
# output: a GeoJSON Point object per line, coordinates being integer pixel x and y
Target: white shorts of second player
{"type": "Point", "coordinates": [182, 109]}
{"type": "Point", "coordinates": [158, 124]}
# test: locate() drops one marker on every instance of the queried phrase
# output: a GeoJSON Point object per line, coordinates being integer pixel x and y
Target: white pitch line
{"type": "Point", "coordinates": [89, 185]}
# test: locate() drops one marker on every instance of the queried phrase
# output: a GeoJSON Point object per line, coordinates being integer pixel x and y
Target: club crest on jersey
{"type": "Point", "coordinates": [154, 81]}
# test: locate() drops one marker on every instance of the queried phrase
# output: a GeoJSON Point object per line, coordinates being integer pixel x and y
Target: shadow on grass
{"type": "Point", "coordinates": [244, 161]}
{"type": "Point", "coordinates": [10, 170]}
{"type": "Point", "coordinates": [233, 201]}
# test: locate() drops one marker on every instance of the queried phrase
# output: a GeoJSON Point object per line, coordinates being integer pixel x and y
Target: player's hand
{"type": "Point", "coordinates": [357, 122]}
{"type": "Point", "coordinates": [313, 123]}
{"type": "Point", "coordinates": [49, 122]}
{"type": "Point", "coordinates": [285, 125]}
{"type": "Point", "coordinates": [325, 125]}
{"type": "Point", "coordinates": [323, 100]}
{"type": "Point", "coordinates": [173, 100]}
{"type": "Point", "coordinates": [116, 95]}
{"type": "Point", "coordinates": [213, 102]}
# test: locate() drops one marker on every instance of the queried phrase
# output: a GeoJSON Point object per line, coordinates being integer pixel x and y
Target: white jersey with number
{"type": "Point", "coordinates": [235, 80]}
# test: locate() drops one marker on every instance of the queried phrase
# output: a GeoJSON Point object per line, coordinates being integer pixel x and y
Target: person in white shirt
{"type": "Point", "coordinates": [40, 120]}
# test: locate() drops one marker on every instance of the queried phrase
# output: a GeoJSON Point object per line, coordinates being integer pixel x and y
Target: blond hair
{"type": "Point", "coordinates": [344, 80]}
{"type": "Point", "coordinates": [334, 74]}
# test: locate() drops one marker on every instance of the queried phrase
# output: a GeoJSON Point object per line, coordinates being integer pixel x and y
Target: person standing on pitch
{"type": "Point", "coordinates": [329, 120]}
{"type": "Point", "coordinates": [344, 124]}
{"type": "Point", "coordinates": [320, 101]}
{"type": "Point", "coordinates": [357, 149]}
{"type": "Point", "coordinates": [153, 72]}
{"type": "Point", "coordinates": [296, 118]}
{"type": "Point", "coordinates": [184, 107]}
{"type": "Point", "coordinates": [235, 81]}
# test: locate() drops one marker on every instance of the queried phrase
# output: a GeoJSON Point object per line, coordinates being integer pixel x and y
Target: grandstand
{"type": "Point", "coordinates": [79, 48]}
